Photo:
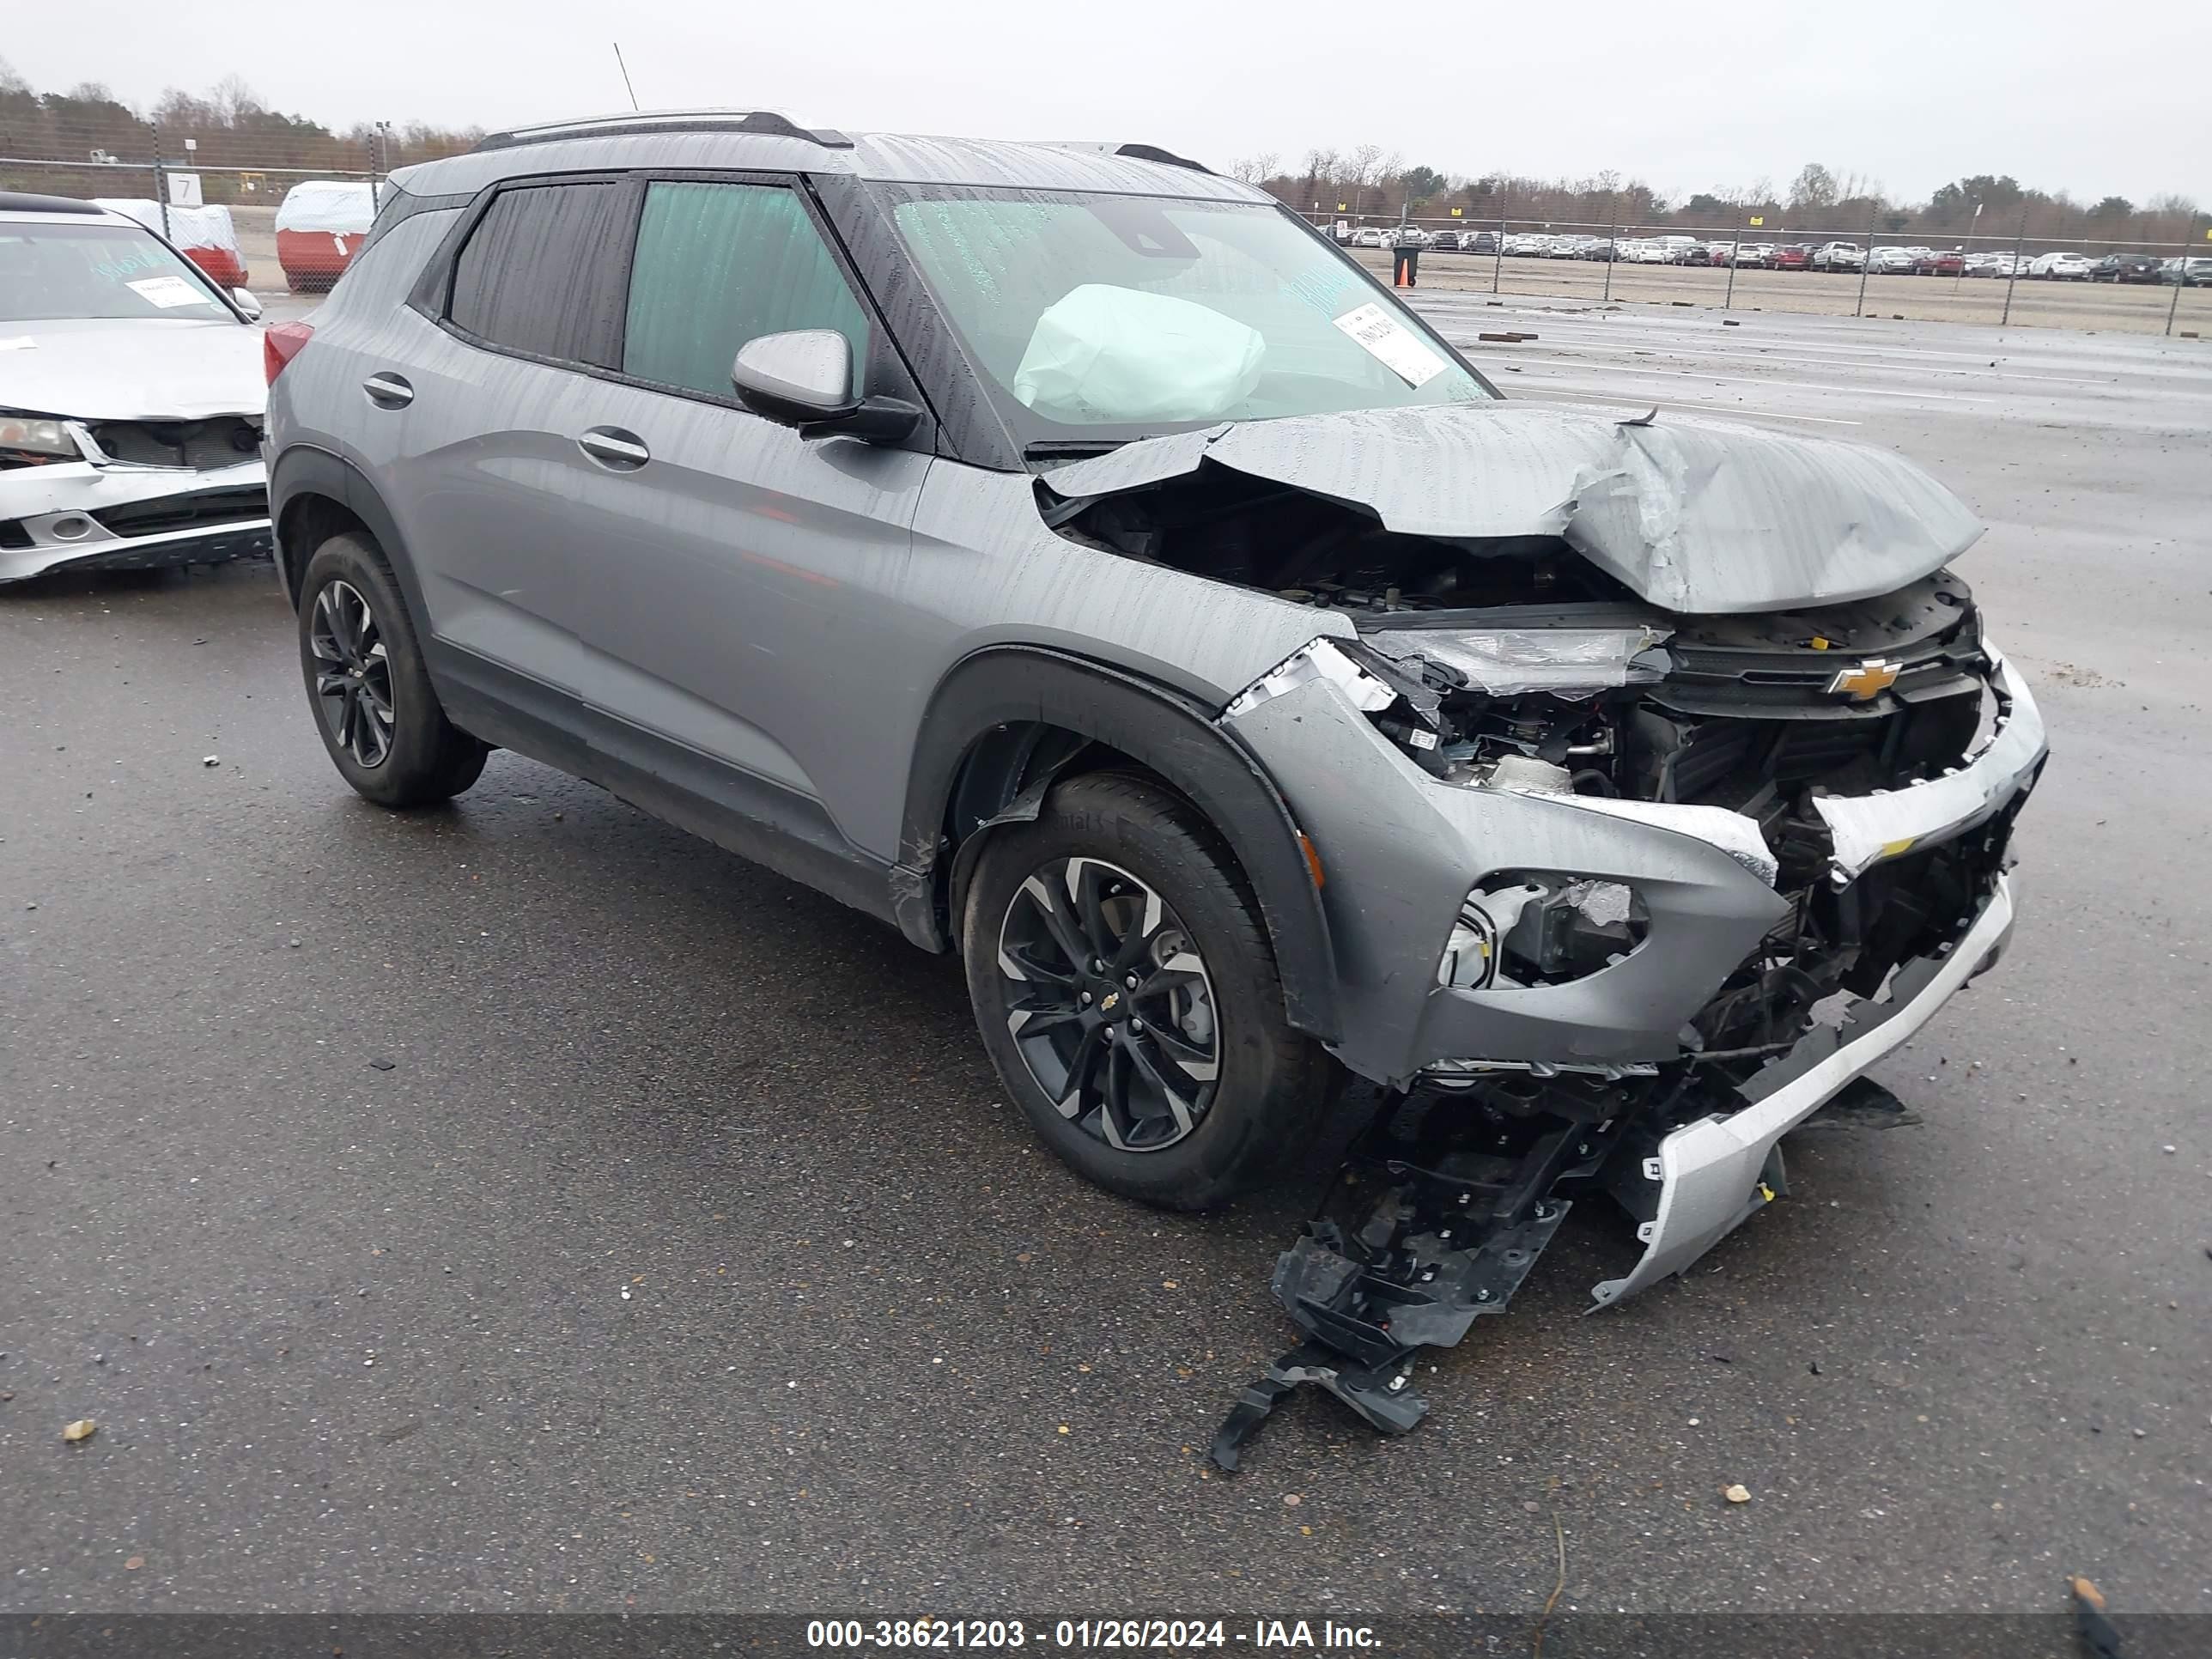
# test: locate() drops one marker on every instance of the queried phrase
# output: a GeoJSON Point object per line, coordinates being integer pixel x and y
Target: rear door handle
{"type": "Point", "coordinates": [388, 390]}
{"type": "Point", "coordinates": [615, 449]}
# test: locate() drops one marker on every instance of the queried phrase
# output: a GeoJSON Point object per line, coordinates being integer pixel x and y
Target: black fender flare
{"type": "Point", "coordinates": [306, 470]}
{"type": "Point", "coordinates": [1006, 687]}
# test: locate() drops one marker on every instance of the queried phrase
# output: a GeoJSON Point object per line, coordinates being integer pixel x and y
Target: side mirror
{"type": "Point", "coordinates": [804, 377]}
{"type": "Point", "coordinates": [245, 302]}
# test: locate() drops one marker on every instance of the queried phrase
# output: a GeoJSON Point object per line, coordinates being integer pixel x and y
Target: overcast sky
{"type": "Point", "coordinates": [2069, 95]}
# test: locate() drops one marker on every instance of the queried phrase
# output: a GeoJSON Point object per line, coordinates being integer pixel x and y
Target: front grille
{"type": "Point", "coordinates": [202, 445]}
{"type": "Point", "coordinates": [186, 512]}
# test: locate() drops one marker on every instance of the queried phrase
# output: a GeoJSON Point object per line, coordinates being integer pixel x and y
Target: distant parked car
{"type": "Point", "coordinates": [1793, 255]}
{"type": "Point", "coordinates": [2189, 273]}
{"type": "Point", "coordinates": [1939, 262]}
{"type": "Point", "coordinates": [1367, 236]}
{"type": "Point", "coordinates": [1893, 261]}
{"type": "Point", "coordinates": [1477, 241]}
{"type": "Point", "coordinates": [1755, 256]}
{"type": "Point", "coordinates": [1652, 253]}
{"type": "Point", "coordinates": [1567, 248]}
{"type": "Point", "coordinates": [2060, 267]}
{"type": "Point", "coordinates": [2126, 267]}
{"type": "Point", "coordinates": [320, 225]}
{"type": "Point", "coordinates": [1838, 255]}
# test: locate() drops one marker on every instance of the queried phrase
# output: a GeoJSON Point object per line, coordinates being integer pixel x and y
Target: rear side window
{"type": "Point", "coordinates": [542, 272]}
{"type": "Point", "coordinates": [720, 264]}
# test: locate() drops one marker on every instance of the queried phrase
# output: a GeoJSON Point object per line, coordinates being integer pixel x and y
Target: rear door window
{"type": "Point", "coordinates": [719, 265]}
{"type": "Point", "coordinates": [543, 272]}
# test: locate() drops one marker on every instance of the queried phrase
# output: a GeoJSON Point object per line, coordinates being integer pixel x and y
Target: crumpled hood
{"type": "Point", "coordinates": [1694, 515]}
{"type": "Point", "coordinates": [132, 369]}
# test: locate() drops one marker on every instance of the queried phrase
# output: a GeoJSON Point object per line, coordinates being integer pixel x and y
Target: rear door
{"type": "Point", "coordinates": [491, 486]}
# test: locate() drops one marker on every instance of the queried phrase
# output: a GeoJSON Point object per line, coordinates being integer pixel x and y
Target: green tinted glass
{"type": "Point", "coordinates": [720, 264]}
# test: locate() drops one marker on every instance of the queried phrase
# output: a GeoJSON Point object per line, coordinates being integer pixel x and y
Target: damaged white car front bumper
{"type": "Point", "coordinates": [101, 513]}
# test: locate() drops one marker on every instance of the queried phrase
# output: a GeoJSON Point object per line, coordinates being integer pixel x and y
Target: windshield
{"type": "Point", "coordinates": [51, 272]}
{"type": "Point", "coordinates": [1108, 317]}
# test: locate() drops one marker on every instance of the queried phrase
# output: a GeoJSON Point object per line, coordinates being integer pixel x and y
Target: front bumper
{"type": "Point", "coordinates": [83, 515]}
{"type": "Point", "coordinates": [1711, 1172]}
{"type": "Point", "coordinates": [1399, 850]}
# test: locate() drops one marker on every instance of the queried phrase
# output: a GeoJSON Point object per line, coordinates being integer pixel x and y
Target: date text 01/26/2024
{"type": "Point", "coordinates": [1276, 1635]}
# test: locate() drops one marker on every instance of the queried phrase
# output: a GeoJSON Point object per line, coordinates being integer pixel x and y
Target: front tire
{"type": "Point", "coordinates": [368, 686]}
{"type": "Point", "coordinates": [1128, 995]}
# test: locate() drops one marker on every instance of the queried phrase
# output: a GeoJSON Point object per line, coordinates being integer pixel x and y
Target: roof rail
{"type": "Point", "coordinates": [767, 123]}
{"type": "Point", "coordinates": [1165, 158]}
{"type": "Point", "coordinates": [1134, 152]}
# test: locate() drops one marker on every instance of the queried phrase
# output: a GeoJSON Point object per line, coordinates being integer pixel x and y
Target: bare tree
{"type": "Point", "coordinates": [1362, 168]}
{"type": "Point", "coordinates": [1814, 189]}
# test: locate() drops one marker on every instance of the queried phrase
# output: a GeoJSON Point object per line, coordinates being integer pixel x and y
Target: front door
{"type": "Point", "coordinates": [739, 602]}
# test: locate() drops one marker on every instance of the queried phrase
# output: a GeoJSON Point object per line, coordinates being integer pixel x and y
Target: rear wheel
{"type": "Point", "coordinates": [1127, 996]}
{"type": "Point", "coordinates": [370, 690]}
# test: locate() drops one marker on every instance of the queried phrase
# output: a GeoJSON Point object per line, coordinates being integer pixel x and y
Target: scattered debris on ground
{"type": "Point", "coordinates": [83, 1429]}
{"type": "Point", "coordinates": [2098, 1635]}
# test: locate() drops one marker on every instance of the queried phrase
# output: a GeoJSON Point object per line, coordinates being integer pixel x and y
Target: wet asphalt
{"type": "Point", "coordinates": [525, 1206]}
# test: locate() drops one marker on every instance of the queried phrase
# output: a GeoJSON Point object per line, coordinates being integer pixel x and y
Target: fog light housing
{"type": "Point", "coordinates": [1524, 928]}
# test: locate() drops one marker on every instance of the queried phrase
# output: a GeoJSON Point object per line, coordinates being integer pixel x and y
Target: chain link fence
{"type": "Point", "coordinates": [219, 194]}
{"type": "Point", "coordinates": [2006, 279]}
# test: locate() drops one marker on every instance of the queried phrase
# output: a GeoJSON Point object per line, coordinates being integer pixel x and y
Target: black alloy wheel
{"type": "Point", "coordinates": [353, 675]}
{"type": "Point", "coordinates": [1109, 1006]}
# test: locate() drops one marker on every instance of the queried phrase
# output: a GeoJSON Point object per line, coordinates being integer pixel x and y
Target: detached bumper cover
{"type": "Point", "coordinates": [1709, 1171]}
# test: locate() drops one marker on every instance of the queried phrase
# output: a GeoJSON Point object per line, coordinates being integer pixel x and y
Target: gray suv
{"type": "Point", "coordinates": [1069, 556]}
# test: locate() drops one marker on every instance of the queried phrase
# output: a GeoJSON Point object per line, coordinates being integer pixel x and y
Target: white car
{"type": "Point", "coordinates": [1650, 253]}
{"type": "Point", "coordinates": [2060, 267]}
{"type": "Point", "coordinates": [132, 392]}
{"type": "Point", "coordinates": [1367, 236]}
{"type": "Point", "coordinates": [1896, 261]}
{"type": "Point", "coordinates": [1838, 255]}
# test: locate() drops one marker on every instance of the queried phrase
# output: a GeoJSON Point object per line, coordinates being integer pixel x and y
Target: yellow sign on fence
{"type": "Point", "coordinates": [1456, 212]}
{"type": "Point", "coordinates": [1756, 220]}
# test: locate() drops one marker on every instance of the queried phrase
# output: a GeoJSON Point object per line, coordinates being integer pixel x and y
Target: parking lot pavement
{"type": "Point", "coordinates": [523, 1205]}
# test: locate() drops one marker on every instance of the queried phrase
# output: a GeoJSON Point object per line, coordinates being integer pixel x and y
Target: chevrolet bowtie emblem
{"type": "Point", "coordinates": [1864, 683]}
{"type": "Point", "coordinates": [1112, 1000]}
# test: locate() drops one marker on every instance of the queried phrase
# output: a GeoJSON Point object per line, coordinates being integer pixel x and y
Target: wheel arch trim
{"type": "Point", "coordinates": [305, 471]}
{"type": "Point", "coordinates": [1010, 688]}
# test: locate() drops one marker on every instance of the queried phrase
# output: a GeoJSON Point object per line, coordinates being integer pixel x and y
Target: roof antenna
{"type": "Point", "coordinates": [624, 68]}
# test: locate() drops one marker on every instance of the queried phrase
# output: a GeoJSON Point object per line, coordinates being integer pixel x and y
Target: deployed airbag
{"type": "Point", "coordinates": [1115, 354]}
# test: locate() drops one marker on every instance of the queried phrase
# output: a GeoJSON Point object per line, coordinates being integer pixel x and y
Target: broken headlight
{"type": "Point", "coordinates": [1540, 928]}
{"type": "Point", "coordinates": [31, 439]}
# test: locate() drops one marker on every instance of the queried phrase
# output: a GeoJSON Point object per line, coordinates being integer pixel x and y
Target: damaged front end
{"type": "Point", "coordinates": [1647, 823]}
{"type": "Point", "coordinates": [129, 494]}
{"type": "Point", "coordinates": [1618, 937]}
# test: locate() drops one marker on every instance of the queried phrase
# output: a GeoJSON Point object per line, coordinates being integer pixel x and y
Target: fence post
{"type": "Point", "coordinates": [1866, 263]}
{"type": "Point", "coordinates": [1497, 255]}
{"type": "Point", "coordinates": [160, 179]}
{"type": "Point", "coordinates": [1734, 253]}
{"type": "Point", "coordinates": [1612, 244]}
{"type": "Point", "coordinates": [2019, 241]}
{"type": "Point", "coordinates": [2180, 282]}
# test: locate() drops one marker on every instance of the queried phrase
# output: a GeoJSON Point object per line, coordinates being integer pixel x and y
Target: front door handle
{"type": "Point", "coordinates": [388, 390]}
{"type": "Point", "coordinates": [615, 449]}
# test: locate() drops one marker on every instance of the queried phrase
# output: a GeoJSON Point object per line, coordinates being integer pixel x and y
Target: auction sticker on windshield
{"type": "Point", "coordinates": [1393, 345]}
{"type": "Point", "coordinates": [167, 291]}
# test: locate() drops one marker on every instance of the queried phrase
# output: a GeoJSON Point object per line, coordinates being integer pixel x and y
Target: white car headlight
{"type": "Point", "coordinates": [33, 435]}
